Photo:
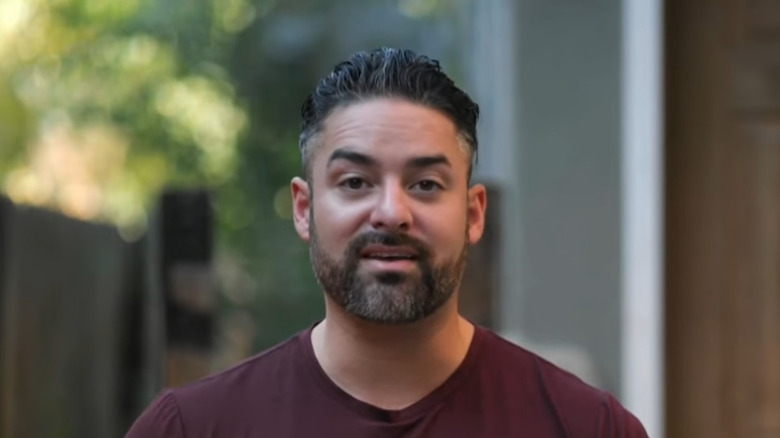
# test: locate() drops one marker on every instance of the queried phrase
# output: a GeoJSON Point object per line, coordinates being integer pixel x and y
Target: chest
{"type": "Point", "coordinates": [456, 417]}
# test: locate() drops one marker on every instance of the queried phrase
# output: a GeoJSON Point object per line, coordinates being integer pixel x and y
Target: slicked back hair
{"type": "Point", "coordinates": [392, 73]}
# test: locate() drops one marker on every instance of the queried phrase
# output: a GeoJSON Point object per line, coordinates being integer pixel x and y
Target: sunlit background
{"type": "Point", "coordinates": [103, 105]}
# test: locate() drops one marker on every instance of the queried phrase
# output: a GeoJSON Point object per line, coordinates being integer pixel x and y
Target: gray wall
{"type": "Point", "coordinates": [561, 261]}
{"type": "Point", "coordinates": [570, 175]}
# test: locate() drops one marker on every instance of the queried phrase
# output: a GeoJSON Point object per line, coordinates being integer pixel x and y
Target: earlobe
{"type": "Point", "coordinates": [476, 212]}
{"type": "Point", "coordinates": [301, 204]}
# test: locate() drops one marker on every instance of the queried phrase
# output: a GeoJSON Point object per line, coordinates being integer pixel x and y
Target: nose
{"type": "Point", "coordinates": [392, 210]}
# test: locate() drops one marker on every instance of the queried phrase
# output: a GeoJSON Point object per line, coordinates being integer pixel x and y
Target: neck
{"type": "Point", "coordinates": [391, 366]}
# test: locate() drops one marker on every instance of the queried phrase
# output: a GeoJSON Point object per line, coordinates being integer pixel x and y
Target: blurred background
{"type": "Point", "coordinates": [631, 150]}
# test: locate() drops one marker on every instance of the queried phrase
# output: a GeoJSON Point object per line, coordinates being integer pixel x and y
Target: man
{"type": "Point", "coordinates": [387, 208]}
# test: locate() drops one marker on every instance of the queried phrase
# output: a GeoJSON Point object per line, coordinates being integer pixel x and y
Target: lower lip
{"type": "Point", "coordinates": [391, 265]}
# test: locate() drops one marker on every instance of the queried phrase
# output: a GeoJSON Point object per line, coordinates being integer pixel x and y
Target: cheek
{"type": "Point", "coordinates": [336, 222]}
{"type": "Point", "coordinates": [445, 229]}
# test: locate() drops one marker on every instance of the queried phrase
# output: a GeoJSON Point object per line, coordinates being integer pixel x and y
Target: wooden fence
{"type": "Point", "coordinates": [92, 326]}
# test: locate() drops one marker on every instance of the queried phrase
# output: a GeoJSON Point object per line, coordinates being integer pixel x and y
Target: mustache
{"type": "Point", "coordinates": [387, 239]}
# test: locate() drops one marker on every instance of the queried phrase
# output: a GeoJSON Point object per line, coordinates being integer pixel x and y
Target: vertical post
{"type": "Point", "coordinates": [6, 418]}
{"type": "Point", "coordinates": [188, 286]}
{"type": "Point", "coordinates": [494, 43]}
{"type": "Point", "coordinates": [479, 290]}
{"type": "Point", "coordinates": [642, 213]}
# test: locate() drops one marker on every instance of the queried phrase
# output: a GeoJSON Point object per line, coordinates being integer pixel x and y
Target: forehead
{"type": "Point", "coordinates": [385, 125]}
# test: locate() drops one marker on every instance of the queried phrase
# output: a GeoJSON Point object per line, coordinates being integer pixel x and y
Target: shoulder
{"type": "Point", "coordinates": [218, 396]}
{"type": "Point", "coordinates": [247, 376]}
{"type": "Point", "coordinates": [581, 409]}
{"type": "Point", "coordinates": [160, 419]}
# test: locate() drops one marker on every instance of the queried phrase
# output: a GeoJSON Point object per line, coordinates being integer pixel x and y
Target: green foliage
{"type": "Point", "coordinates": [103, 104]}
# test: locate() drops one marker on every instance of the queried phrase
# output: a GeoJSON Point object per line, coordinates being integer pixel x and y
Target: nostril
{"type": "Point", "coordinates": [400, 226]}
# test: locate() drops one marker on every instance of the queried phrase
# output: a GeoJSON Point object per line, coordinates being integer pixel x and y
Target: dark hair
{"type": "Point", "coordinates": [388, 72]}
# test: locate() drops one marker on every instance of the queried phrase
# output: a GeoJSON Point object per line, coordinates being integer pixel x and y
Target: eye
{"type": "Point", "coordinates": [354, 183]}
{"type": "Point", "coordinates": [427, 185]}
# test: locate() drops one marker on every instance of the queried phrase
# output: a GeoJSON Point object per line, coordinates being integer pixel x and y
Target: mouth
{"type": "Point", "coordinates": [388, 253]}
{"type": "Point", "coordinates": [389, 257]}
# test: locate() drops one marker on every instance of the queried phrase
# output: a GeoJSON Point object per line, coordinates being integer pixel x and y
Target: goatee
{"type": "Point", "coordinates": [389, 297]}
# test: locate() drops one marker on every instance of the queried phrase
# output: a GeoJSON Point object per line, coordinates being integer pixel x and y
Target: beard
{"type": "Point", "coordinates": [387, 297]}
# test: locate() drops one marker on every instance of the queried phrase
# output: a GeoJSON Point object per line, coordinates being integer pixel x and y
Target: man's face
{"type": "Point", "coordinates": [387, 211]}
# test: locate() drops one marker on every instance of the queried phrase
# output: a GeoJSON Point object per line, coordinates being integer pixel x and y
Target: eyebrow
{"type": "Point", "coordinates": [355, 157]}
{"type": "Point", "coordinates": [365, 160]}
{"type": "Point", "coordinates": [423, 162]}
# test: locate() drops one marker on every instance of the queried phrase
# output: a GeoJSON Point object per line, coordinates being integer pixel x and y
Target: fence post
{"type": "Point", "coordinates": [5, 400]}
{"type": "Point", "coordinates": [186, 224]}
{"type": "Point", "coordinates": [479, 290]}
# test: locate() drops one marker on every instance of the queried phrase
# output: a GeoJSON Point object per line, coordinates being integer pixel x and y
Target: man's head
{"type": "Point", "coordinates": [387, 72]}
{"type": "Point", "coordinates": [387, 145]}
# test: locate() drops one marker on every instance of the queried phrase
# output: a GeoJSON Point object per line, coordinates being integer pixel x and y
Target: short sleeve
{"type": "Point", "coordinates": [615, 421]}
{"type": "Point", "coordinates": [161, 419]}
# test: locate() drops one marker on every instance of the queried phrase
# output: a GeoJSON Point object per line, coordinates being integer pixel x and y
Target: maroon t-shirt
{"type": "Point", "coordinates": [500, 390]}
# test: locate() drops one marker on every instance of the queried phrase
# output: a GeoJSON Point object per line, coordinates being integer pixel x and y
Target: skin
{"type": "Point", "coordinates": [390, 166]}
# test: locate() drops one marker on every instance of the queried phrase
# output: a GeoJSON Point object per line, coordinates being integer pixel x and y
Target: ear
{"type": "Point", "coordinates": [301, 203]}
{"type": "Point", "coordinates": [476, 212]}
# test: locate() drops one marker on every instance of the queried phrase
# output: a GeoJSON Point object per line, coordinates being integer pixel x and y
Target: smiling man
{"type": "Point", "coordinates": [388, 209]}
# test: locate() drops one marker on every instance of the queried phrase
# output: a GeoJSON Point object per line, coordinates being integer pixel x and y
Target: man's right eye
{"type": "Point", "coordinates": [354, 183]}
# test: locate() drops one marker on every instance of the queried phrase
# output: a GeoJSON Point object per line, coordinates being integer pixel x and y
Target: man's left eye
{"type": "Point", "coordinates": [427, 185]}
